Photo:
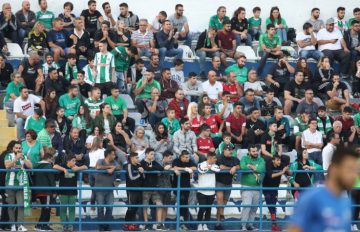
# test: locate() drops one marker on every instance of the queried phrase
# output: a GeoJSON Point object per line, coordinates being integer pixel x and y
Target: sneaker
{"type": "Point", "coordinates": [218, 227]}
{"type": "Point", "coordinates": [21, 228]}
{"type": "Point", "coordinates": [157, 227]}
{"type": "Point", "coordinates": [251, 228]}
{"type": "Point", "coordinates": [205, 227]}
{"type": "Point", "coordinates": [125, 227]}
{"type": "Point", "coordinates": [183, 227]}
{"type": "Point", "coordinates": [39, 228]}
{"type": "Point", "coordinates": [47, 228]}
{"type": "Point", "coordinates": [133, 227]}
{"type": "Point", "coordinates": [275, 227]}
{"type": "Point", "coordinates": [354, 228]}
{"type": "Point", "coordinates": [200, 227]}
{"type": "Point", "coordinates": [243, 228]}
{"type": "Point", "coordinates": [13, 228]}
{"type": "Point", "coordinates": [142, 227]}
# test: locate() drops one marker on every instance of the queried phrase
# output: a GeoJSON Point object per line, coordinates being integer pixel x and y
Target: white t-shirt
{"type": "Point", "coordinates": [306, 38]}
{"type": "Point", "coordinates": [94, 156]}
{"type": "Point", "coordinates": [308, 136]}
{"type": "Point", "coordinates": [256, 86]}
{"type": "Point", "coordinates": [323, 34]}
{"type": "Point", "coordinates": [26, 107]}
{"type": "Point", "coordinates": [156, 24]}
{"type": "Point", "coordinates": [212, 90]}
{"type": "Point", "coordinates": [207, 179]}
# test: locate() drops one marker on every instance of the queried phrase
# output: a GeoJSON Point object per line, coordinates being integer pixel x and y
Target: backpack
{"type": "Point", "coordinates": [291, 34]}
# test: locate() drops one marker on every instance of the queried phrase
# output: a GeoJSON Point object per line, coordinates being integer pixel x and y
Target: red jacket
{"type": "Point", "coordinates": [179, 113]}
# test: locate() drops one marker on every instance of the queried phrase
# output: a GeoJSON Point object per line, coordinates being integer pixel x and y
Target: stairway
{"type": "Point", "coordinates": [6, 133]}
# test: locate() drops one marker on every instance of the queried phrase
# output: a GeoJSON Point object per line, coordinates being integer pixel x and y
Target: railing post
{"type": "Point", "coordinates": [178, 203]}
{"type": "Point", "coordinates": [80, 200]}
{"type": "Point", "coordinates": [261, 203]}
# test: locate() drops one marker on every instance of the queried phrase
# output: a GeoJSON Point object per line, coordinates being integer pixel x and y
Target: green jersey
{"type": "Point", "coordinates": [32, 152]}
{"type": "Point", "coordinates": [172, 126]}
{"type": "Point", "coordinates": [93, 106]}
{"type": "Point", "coordinates": [146, 92]}
{"type": "Point", "coordinates": [44, 138]}
{"type": "Point", "coordinates": [46, 18]}
{"type": "Point", "coordinates": [216, 23]}
{"type": "Point", "coordinates": [70, 105]}
{"type": "Point", "coordinates": [229, 109]}
{"type": "Point", "coordinates": [35, 124]}
{"type": "Point", "coordinates": [221, 149]}
{"type": "Point", "coordinates": [241, 73]}
{"type": "Point", "coordinates": [12, 179]}
{"type": "Point", "coordinates": [122, 59]}
{"type": "Point", "coordinates": [357, 119]}
{"type": "Point", "coordinates": [299, 126]}
{"type": "Point", "coordinates": [283, 22]}
{"type": "Point", "coordinates": [12, 88]}
{"type": "Point", "coordinates": [252, 178]}
{"type": "Point", "coordinates": [117, 105]}
{"type": "Point", "coordinates": [254, 23]}
{"type": "Point", "coordinates": [269, 42]}
{"type": "Point", "coordinates": [104, 64]}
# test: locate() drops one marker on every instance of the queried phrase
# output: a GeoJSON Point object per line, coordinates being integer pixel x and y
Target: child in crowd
{"type": "Point", "coordinates": [268, 104]}
{"type": "Point", "coordinates": [177, 73]}
{"type": "Point", "coordinates": [90, 71]}
{"type": "Point", "coordinates": [226, 141]}
{"type": "Point", "coordinates": [171, 123]}
{"type": "Point", "coordinates": [255, 24]}
{"type": "Point", "coordinates": [213, 120]}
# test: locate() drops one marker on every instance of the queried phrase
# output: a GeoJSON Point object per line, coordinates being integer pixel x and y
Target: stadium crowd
{"type": "Point", "coordinates": [73, 118]}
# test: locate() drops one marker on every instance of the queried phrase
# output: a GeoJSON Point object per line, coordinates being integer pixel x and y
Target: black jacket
{"type": "Point", "coordinates": [60, 85]}
{"type": "Point", "coordinates": [151, 180]}
{"type": "Point", "coordinates": [20, 18]}
{"type": "Point", "coordinates": [348, 39]}
{"type": "Point", "coordinates": [74, 146]}
{"type": "Point", "coordinates": [133, 177]}
{"type": "Point", "coordinates": [46, 179]}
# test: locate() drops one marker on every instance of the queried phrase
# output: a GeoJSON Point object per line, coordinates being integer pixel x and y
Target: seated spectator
{"type": "Point", "coordinates": [224, 107]}
{"type": "Point", "coordinates": [207, 46]}
{"type": "Point", "coordinates": [69, 70]}
{"type": "Point", "coordinates": [108, 15]}
{"type": "Point", "coordinates": [131, 20]}
{"type": "Point", "coordinates": [279, 24]}
{"type": "Point", "coordinates": [239, 69]}
{"type": "Point", "coordinates": [196, 120]}
{"type": "Point", "coordinates": [253, 83]}
{"type": "Point", "coordinates": [143, 40]}
{"type": "Point", "coordinates": [80, 39]}
{"type": "Point", "coordinates": [139, 142]}
{"type": "Point", "coordinates": [283, 127]}
{"type": "Point", "coordinates": [83, 122]}
{"type": "Point", "coordinates": [180, 24]}
{"type": "Point", "coordinates": [37, 40]}
{"type": "Point", "coordinates": [306, 40]}
{"type": "Point", "coordinates": [156, 24]}
{"type": "Point", "coordinates": [227, 42]}
{"type": "Point", "coordinates": [255, 23]}
{"type": "Point", "coordinates": [233, 87]}
{"type": "Point", "coordinates": [160, 141]}
{"type": "Point", "coordinates": [134, 74]}
{"type": "Point", "coordinates": [170, 121]}
{"type": "Point", "coordinates": [94, 102]}
{"type": "Point", "coordinates": [254, 127]}
{"type": "Point", "coordinates": [301, 123]}
{"type": "Point", "coordinates": [307, 104]}
{"type": "Point", "coordinates": [25, 20]}
{"type": "Point", "coordinates": [268, 104]}
{"type": "Point", "coordinates": [185, 139]}
{"type": "Point", "coordinates": [44, 16]}
{"type": "Point", "coordinates": [303, 65]}
{"type": "Point", "coordinates": [70, 102]}
{"type": "Point", "coordinates": [315, 21]}
{"type": "Point", "coordinates": [216, 124]}
{"type": "Point", "coordinates": [156, 107]}
{"type": "Point", "coordinates": [212, 87]}
{"type": "Point", "coordinates": [279, 75]}
{"type": "Point", "coordinates": [3, 46]}
{"type": "Point", "coordinates": [56, 82]}
{"type": "Point", "coordinates": [355, 73]}
{"type": "Point", "coordinates": [323, 75]}
{"type": "Point", "coordinates": [6, 71]}
{"type": "Point", "coordinates": [177, 73]}
{"type": "Point", "coordinates": [91, 17]}
{"type": "Point", "coordinates": [180, 104]}
{"type": "Point", "coordinates": [31, 72]}
{"type": "Point", "coordinates": [356, 13]}
{"type": "Point", "coordinates": [332, 44]}
{"type": "Point", "coordinates": [51, 103]}
{"type": "Point", "coordinates": [168, 86]}
{"type": "Point", "coordinates": [351, 44]}
{"type": "Point", "coordinates": [217, 68]}
{"type": "Point", "coordinates": [105, 121]}
{"type": "Point", "coordinates": [339, 20]}
{"type": "Point", "coordinates": [235, 124]}
{"type": "Point", "coordinates": [68, 17]}
{"type": "Point", "coordinates": [269, 46]}
{"type": "Point", "coordinates": [294, 92]}
{"type": "Point", "coordinates": [338, 94]}
{"type": "Point", "coordinates": [73, 143]}
{"type": "Point", "coordinates": [154, 66]}
{"type": "Point", "coordinates": [203, 100]}
{"type": "Point", "coordinates": [123, 34]}
{"type": "Point", "coordinates": [239, 25]}
{"type": "Point", "coordinates": [48, 63]}
{"type": "Point", "coordinates": [119, 139]}
{"type": "Point", "coordinates": [167, 40]}
{"type": "Point", "coordinates": [324, 121]}
{"type": "Point", "coordinates": [249, 100]}
{"type": "Point", "coordinates": [192, 88]}
{"type": "Point", "coordinates": [216, 21]}
{"type": "Point", "coordinates": [35, 122]}
{"type": "Point", "coordinates": [90, 70]}
{"type": "Point", "coordinates": [337, 129]}
{"type": "Point", "coordinates": [347, 121]}
{"type": "Point", "coordinates": [24, 107]}
{"type": "Point", "coordinates": [8, 26]}
{"type": "Point", "coordinates": [50, 138]}
{"type": "Point", "coordinates": [105, 35]}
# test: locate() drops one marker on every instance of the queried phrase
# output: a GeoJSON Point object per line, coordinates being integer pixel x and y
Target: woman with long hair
{"type": "Point", "coordinates": [139, 142]}
{"type": "Point", "coordinates": [279, 23]}
{"type": "Point", "coordinates": [196, 120]}
{"type": "Point", "coordinates": [203, 100]}
{"type": "Point", "coordinates": [51, 103]}
{"type": "Point", "coordinates": [123, 34]}
{"type": "Point", "coordinates": [105, 120]}
{"type": "Point", "coordinates": [82, 121]}
{"type": "Point", "coordinates": [159, 141]}
{"type": "Point", "coordinates": [239, 26]}
{"type": "Point", "coordinates": [37, 39]}
{"type": "Point", "coordinates": [323, 74]}
{"type": "Point", "coordinates": [95, 133]}
{"type": "Point", "coordinates": [119, 139]}
{"type": "Point", "coordinates": [303, 65]}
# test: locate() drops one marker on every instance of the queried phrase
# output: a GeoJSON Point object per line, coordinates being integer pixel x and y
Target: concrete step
{"type": "Point", "coordinates": [2, 114]}
{"type": "Point", "coordinates": [3, 123]}
{"type": "Point", "coordinates": [7, 132]}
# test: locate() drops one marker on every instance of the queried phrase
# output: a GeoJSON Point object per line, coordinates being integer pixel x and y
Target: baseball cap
{"type": "Point", "coordinates": [330, 21]}
{"type": "Point", "coordinates": [228, 147]}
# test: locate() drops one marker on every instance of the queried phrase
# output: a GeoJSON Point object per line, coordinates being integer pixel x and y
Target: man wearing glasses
{"type": "Point", "coordinates": [180, 24]}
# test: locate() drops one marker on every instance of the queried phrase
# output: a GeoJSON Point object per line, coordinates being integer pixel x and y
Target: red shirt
{"type": "Point", "coordinates": [232, 89]}
{"type": "Point", "coordinates": [204, 144]}
{"type": "Point", "coordinates": [196, 123]}
{"type": "Point", "coordinates": [346, 125]}
{"type": "Point", "coordinates": [213, 122]}
{"type": "Point", "coordinates": [226, 39]}
{"type": "Point", "coordinates": [236, 124]}
{"type": "Point", "coordinates": [180, 109]}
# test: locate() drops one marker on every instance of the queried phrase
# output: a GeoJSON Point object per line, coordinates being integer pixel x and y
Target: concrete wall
{"type": "Point", "coordinates": [198, 12]}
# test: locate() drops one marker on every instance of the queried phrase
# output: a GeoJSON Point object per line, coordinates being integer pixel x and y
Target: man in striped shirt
{"type": "Point", "coordinates": [143, 39]}
{"type": "Point", "coordinates": [105, 69]}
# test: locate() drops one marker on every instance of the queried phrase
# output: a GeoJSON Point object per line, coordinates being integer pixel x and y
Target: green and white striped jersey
{"type": "Point", "coordinates": [11, 177]}
{"type": "Point", "coordinates": [104, 64]}
{"type": "Point", "coordinates": [93, 106]}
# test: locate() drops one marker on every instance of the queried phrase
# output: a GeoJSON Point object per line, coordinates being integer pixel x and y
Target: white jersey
{"type": "Point", "coordinates": [104, 64]}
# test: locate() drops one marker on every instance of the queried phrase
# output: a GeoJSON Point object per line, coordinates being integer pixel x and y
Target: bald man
{"type": "Point", "coordinates": [25, 20]}
{"type": "Point", "coordinates": [212, 87]}
{"type": "Point", "coordinates": [337, 129]}
{"type": "Point", "coordinates": [8, 23]}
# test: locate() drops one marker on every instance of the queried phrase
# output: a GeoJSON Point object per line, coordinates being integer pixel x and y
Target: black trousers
{"type": "Point", "coordinates": [355, 195]}
{"type": "Point", "coordinates": [340, 56]}
{"type": "Point", "coordinates": [184, 200]}
{"type": "Point", "coordinates": [204, 200]}
{"type": "Point", "coordinates": [4, 212]}
{"type": "Point", "coordinates": [130, 122]}
{"type": "Point", "coordinates": [135, 198]}
{"type": "Point", "coordinates": [45, 211]}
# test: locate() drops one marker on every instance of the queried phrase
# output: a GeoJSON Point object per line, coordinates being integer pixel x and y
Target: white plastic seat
{"type": "Point", "coordinates": [15, 50]}
{"type": "Point", "coordinates": [119, 212]}
{"type": "Point", "coordinates": [77, 211]}
{"type": "Point", "coordinates": [129, 101]}
{"type": "Point", "coordinates": [188, 55]}
{"type": "Point", "coordinates": [136, 116]}
{"type": "Point", "coordinates": [232, 212]}
{"type": "Point", "coordinates": [247, 51]}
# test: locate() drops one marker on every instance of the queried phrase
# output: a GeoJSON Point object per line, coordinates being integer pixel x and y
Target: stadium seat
{"type": "Point", "coordinates": [188, 55]}
{"type": "Point", "coordinates": [136, 116]}
{"type": "Point", "coordinates": [232, 212]}
{"type": "Point", "coordinates": [77, 211]}
{"type": "Point", "coordinates": [15, 51]}
{"type": "Point", "coordinates": [247, 51]}
{"type": "Point", "coordinates": [292, 52]}
{"type": "Point", "coordinates": [119, 212]}
{"type": "Point", "coordinates": [129, 101]}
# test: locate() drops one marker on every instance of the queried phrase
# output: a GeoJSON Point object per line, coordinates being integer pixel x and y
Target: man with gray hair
{"type": "Point", "coordinates": [143, 39]}
{"type": "Point", "coordinates": [31, 71]}
{"type": "Point", "coordinates": [8, 25]}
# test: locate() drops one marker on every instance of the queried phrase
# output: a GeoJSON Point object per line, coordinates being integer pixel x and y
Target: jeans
{"type": "Point", "coordinates": [15, 197]}
{"type": "Point", "coordinates": [342, 57]}
{"type": "Point", "coordinates": [249, 197]}
{"type": "Point", "coordinates": [67, 200]}
{"type": "Point", "coordinates": [271, 197]}
{"type": "Point", "coordinates": [187, 39]}
{"type": "Point", "coordinates": [264, 56]}
{"type": "Point", "coordinates": [20, 123]}
{"type": "Point", "coordinates": [317, 157]}
{"type": "Point", "coordinates": [202, 58]}
{"type": "Point", "coordinates": [105, 198]}
{"type": "Point", "coordinates": [22, 33]}
{"type": "Point", "coordinates": [247, 41]}
{"type": "Point", "coordinates": [120, 83]}
{"type": "Point", "coordinates": [12, 35]}
{"type": "Point", "coordinates": [282, 33]}
{"type": "Point", "coordinates": [145, 52]}
{"type": "Point", "coordinates": [178, 52]}
{"type": "Point", "coordinates": [315, 54]}
{"type": "Point", "coordinates": [204, 200]}
{"type": "Point", "coordinates": [255, 33]}
{"type": "Point", "coordinates": [153, 119]}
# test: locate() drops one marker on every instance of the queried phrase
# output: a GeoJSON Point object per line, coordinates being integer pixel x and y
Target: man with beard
{"type": "Point", "coordinates": [340, 22]}
{"type": "Point", "coordinates": [154, 66]}
{"type": "Point", "coordinates": [180, 24]}
{"type": "Point", "coordinates": [239, 69]}
{"type": "Point", "coordinates": [109, 16]}
{"type": "Point", "coordinates": [131, 20]}
{"type": "Point", "coordinates": [227, 42]}
{"type": "Point", "coordinates": [90, 17]}
{"type": "Point", "coordinates": [306, 41]}
{"type": "Point", "coordinates": [158, 21]}
{"type": "Point", "coordinates": [315, 21]}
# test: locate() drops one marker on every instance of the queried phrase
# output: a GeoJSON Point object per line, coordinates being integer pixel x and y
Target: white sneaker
{"type": "Point", "coordinates": [22, 228]}
{"type": "Point", "coordinates": [354, 227]}
{"type": "Point", "coordinates": [200, 227]}
{"type": "Point", "coordinates": [13, 228]}
{"type": "Point", "coordinates": [205, 227]}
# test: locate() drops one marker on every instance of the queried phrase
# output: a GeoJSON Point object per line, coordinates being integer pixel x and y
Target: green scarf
{"type": "Point", "coordinates": [24, 181]}
{"type": "Point", "coordinates": [74, 71]}
{"type": "Point", "coordinates": [90, 73]}
{"type": "Point", "coordinates": [340, 24]}
{"type": "Point", "coordinates": [320, 125]}
{"type": "Point", "coordinates": [273, 145]}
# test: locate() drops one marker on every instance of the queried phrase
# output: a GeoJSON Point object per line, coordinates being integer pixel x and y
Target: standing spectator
{"type": "Point", "coordinates": [212, 87]}
{"type": "Point", "coordinates": [25, 20]}
{"type": "Point", "coordinates": [332, 44]}
{"type": "Point", "coordinates": [131, 20]}
{"type": "Point", "coordinates": [271, 145]}
{"type": "Point", "coordinates": [105, 180]}
{"type": "Point", "coordinates": [68, 17]}
{"type": "Point", "coordinates": [227, 42]}
{"type": "Point", "coordinates": [352, 38]}
{"type": "Point", "coordinates": [44, 16]}
{"type": "Point", "coordinates": [185, 140]}
{"type": "Point", "coordinates": [91, 17]}
{"type": "Point", "coordinates": [254, 163]}
{"type": "Point", "coordinates": [207, 179]}
{"type": "Point", "coordinates": [279, 23]}
{"type": "Point", "coordinates": [339, 19]}
{"type": "Point", "coordinates": [180, 104]}
{"type": "Point", "coordinates": [255, 23]}
{"type": "Point", "coordinates": [8, 26]}
{"type": "Point", "coordinates": [239, 69]}
{"type": "Point", "coordinates": [328, 151]}
{"type": "Point", "coordinates": [235, 124]}
{"type": "Point", "coordinates": [70, 102]}
{"type": "Point", "coordinates": [314, 20]}
{"type": "Point", "coordinates": [338, 94]}
{"type": "Point", "coordinates": [239, 25]}
{"type": "Point", "coordinates": [156, 107]}
{"type": "Point", "coordinates": [143, 40]}
{"type": "Point", "coordinates": [108, 15]}
{"type": "Point", "coordinates": [105, 69]}
{"type": "Point", "coordinates": [169, 87]}
{"type": "Point", "coordinates": [193, 88]}
{"type": "Point", "coordinates": [306, 40]}
{"type": "Point", "coordinates": [204, 142]}
{"type": "Point", "coordinates": [158, 21]}
{"type": "Point", "coordinates": [31, 72]}
{"type": "Point", "coordinates": [180, 24]}
{"type": "Point", "coordinates": [31, 147]}
{"type": "Point", "coordinates": [216, 21]}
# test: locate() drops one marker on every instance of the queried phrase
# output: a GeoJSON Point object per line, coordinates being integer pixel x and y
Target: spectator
{"type": "Point", "coordinates": [6, 71]}
{"type": "Point", "coordinates": [35, 122]}
{"type": "Point", "coordinates": [180, 24]}
{"type": "Point", "coordinates": [84, 88]}
{"type": "Point", "coordinates": [49, 137]}
{"type": "Point", "coordinates": [70, 102]}
{"type": "Point", "coordinates": [108, 15]}
{"type": "Point", "coordinates": [91, 17]}
{"type": "Point", "coordinates": [154, 66]}
{"type": "Point", "coordinates": [283, 127]}
{"type": "Point", "coordinates": [134, 74]}
{"type": "Point", "coordinates": [25, 20]}
{"type": "Point", "coordinates": [306, 40]}
{"type": "Point", "coordinates": [4, 210]}
{"type": "Point", "coordinates": [339, 20]}
{"type": "Point", "coordinates": [158, 21]}
{"type": "Point", "coordinates": [271, 145]}
{"type": "Point", "coordinates": [180, 104]}
{"type": "Point", "coordinates": [207, 46]}
{"type": "Point", "coordinates": [168, 85]}
{"type": "Point", "coordinates": [104, 34]}
{"type": "Point", "coordinates": [58, 84]}
{"type": "Point", "coordinates": [81, 39]}
{"type": "Point", "coordinates": [3, 46]}
{"type": "Point", "coordinates": [123, 34]}
{"type": "Point", "coordinates": [216, 124]}
{"type": "Point", "coordinates": [332, 44]}
{"type": "Point", "coordinates": [337, 129]}
{"type": "Point", "coordinates": [224, 107]}
{"type": "Point", "coordinates": [44, 16]}
{"type": "Point", "coordinates": [8, 23]}
{"type": "Point", "coordinates": [160, 142]}
{"type": "Point", "coordinates": [216, 21]}
{"type": "Point", "coordinates": [323, 75]}
{"type": "Point", "coordinates": [170, 121]}
{"type": "Point", "coordinates": [338, 94]}
{"type": "Point", "coordinates": [83, 122]}
{"type": "Point", "coordinates": [239, 25]}
{"type": "Point", "coordinates": [119, 139]}
{"type": "Point", "coordinates": [90, 70]}
{"type": "Point", "coordinates": [207, 179]}
{"type": "Point", "coordinates": [185, 139]}
{"type": "Point", "coordinates": [15, 159]}
{"type": "Point", "coordinates": [68, 17]}
{"type": "Point", "coordinates": [31, 72]}
{"type": "Point", "coordinates": [204, 100]}
{"type": "Point", "coordinates": [105, 69]}
{"type": "Point", "coordinates": [268, 104]}
{"type": "Point", "coordinates": [37, 40]}
{"type": "Point", "coordinates": [356, 78]}
{"type": "Point", "coordinates": [227, 42]}
{"type": "Point", "coordinates": [217, 68]}
{"type": "Point", "coordinates": [324, 121]}
{"type": "Point", "coordinates": [249, 100]}
{"type": "Point", "coordinates": [254, 127]}
{"type": "Point", "coordinates": [356, 13]}
{"type": "Point", "coordinates": [239, 69]}
{"type": "Point", "coordinates": [48, 63]}
{"type": "Point", "coordinates": [131, 20]}
{"type": "Point", "coordinates": [235, 124]}
{"type": "Point", "coordinates": [212, 87]}
{"type": "Point", "coordinates": [167, 40]}
{"type": "Point", "coordinates": [156, 107]}
{"type": "Point", "coordinates": [254, 84]}
{"type": "Point", "coordinates": [94, 102]}
{"type": "Point", "coordinates": [51, 103]}
{"type": "Point", "coordinates": [270, 46]}
{"type": "Point", "coordinates": [233, 87]}
{"type": "Point", "coordinates": [177, 73]}
{"type": "Point", "coordinates": [105, 179]}
{"type": "Point", "coordinates": [328, 150]}
{"type": "Point", "coordinates": [294, 92]}
{"type": "Point", "coordinates": [351, 44]}
{"type": "Point", "coordinates": [69, 70]}
{"type": "Point", "coordinates": [204, 143]}
{"type": "Point", "coordinates": [139, 142]}
{"type": "Point", "coordinates": [63, 124]}
{"type": "Point", "coordinates": [252, 162]}
{"type": "Point", "coordinates": [279, 24]}
{"type": "Point", "coordinates": [193, 88]}
{"type": "Point", "coordinates": [255, 23]}
{"type": "Point", "coordinates": [347, 121]}
{"type": "Point", "coordinates": [105, 120]}
{"type": "Point", "coordinates": [143, 40]}
{"type": "Point", "coordinates": [308, 104]}
{"type": "Point", "coordinates": [303, 65]}
{"type": "Point", "coordinates": [301, 123]}
{"type": "Point", "coordinates": [314, 20]}
{"type": "Point", "coordinates": [13, 91]}
{"type": "Point", "coordinates": [73, 143]}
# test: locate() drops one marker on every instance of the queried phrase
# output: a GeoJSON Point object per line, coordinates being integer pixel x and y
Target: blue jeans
{"type": "Point", "coordinates": [282, 34]}
{"type": "Point", "coordinates": [178, 52]}
{"type": "Point", "coordinates": [145, 52]}
{"type": "Point", "coordinates": [315, 54]}
{"type": "Point", "coordinates": [187, 39]}
{"type": "Point", "coordinates": [248, 40]}
{"type": "Point", "coordinates": [202, 58]}
{"type": "Point", "coordinates": [20, 123]}
{"type": "Point", "coordinates": [22, 33]}
{"type": "Point", "coordinates": [153, 119]}
{"type": "Point", "coordinates": [255, 33]}
{"type": "Point", "coordinates": [102, 198]}
{"type": "Point", "coordinates": [120, 81]}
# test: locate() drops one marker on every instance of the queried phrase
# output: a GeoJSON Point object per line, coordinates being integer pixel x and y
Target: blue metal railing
{"type": "Point", "coordinates": [176, 189]}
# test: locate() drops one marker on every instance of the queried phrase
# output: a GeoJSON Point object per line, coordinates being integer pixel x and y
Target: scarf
{"type": "Point", "coordinates": [273, 145]}
{"type": "Point", "coordinates": [24, 181]}
{"type": "Point", "coordinates": [70, 72]}
{"type": "Point", "coordinates": [320, 125]}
